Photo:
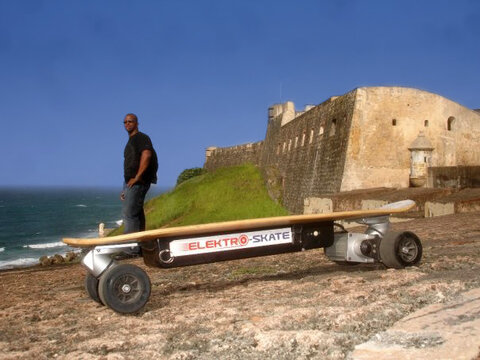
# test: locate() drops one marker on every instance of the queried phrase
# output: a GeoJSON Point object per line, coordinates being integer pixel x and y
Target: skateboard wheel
{"type": "Point", "coordinates": [91, 285]}
{"type": "Point", "coordinates": [125, 288]}
{"type": "Point", "coordinates": [398, 250]}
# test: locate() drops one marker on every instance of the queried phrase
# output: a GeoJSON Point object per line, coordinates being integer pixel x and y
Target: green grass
{"type": "Point", "coordinates": [231, 193]}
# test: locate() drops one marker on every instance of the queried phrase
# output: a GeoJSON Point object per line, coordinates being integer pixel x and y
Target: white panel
{"type": "Point", "coordinates": [216, 243]}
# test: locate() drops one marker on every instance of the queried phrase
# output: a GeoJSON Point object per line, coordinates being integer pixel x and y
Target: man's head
{"type": "Point", "coordinates": [131, 124]}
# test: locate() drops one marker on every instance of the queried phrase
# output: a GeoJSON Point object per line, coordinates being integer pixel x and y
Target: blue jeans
{"type": "Point", "coordinates": [133, 214]}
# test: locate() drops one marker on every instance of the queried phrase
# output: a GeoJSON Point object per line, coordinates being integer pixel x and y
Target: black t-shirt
{"type": "Point", "coordinates": [132, 153]}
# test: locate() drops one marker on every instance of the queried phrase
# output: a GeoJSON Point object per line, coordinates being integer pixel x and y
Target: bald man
{"type": "Point", "coordinates": [140, 170]}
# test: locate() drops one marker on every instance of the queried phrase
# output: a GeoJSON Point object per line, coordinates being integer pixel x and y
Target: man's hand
{"type": "Point", "coordinates": [132, 181]}
{"type": "Point", "coordinates": [144, 162]}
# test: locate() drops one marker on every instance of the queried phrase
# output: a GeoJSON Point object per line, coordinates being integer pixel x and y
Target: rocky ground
{"type": "Point", "coordinates": [292, 306]}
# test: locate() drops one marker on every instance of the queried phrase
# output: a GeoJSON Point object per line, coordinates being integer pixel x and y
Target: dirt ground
{"type": "Point", "coordinates": [291, 306]}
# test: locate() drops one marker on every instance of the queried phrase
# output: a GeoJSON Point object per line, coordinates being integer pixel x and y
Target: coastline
{"type": "Point", "coordinates": [38, 262]}
{"type": "Point", "coordinates": [69, 260]}
{"type": "Point", "coordinates": [35, 219]}
{"type": "Point", "coordinates": [40, 267]}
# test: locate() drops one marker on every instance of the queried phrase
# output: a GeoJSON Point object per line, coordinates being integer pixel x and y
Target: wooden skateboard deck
{"type": "Point", "coordinates": [240, 225]}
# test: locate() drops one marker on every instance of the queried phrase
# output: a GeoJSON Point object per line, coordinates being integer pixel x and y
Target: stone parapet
{"type": "Point", "coordinates": [217, 157]}
{"type": "Point", "coordinates": [454, 176]}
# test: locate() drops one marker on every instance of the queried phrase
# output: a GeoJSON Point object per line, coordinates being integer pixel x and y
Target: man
{"type": "Point", "coordinates": [140, 170]}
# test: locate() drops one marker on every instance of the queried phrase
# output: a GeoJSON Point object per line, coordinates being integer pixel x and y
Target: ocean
{"type": "Point", "coordinates": [33, 221]}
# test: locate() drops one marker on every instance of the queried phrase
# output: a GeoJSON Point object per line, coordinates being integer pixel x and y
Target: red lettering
{"type": "Point", "coordinates": [219, 243]}
{"type": "Point", "coordinates": [244, 240]}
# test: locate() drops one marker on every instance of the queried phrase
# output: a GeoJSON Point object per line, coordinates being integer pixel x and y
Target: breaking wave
{"type": "Point", "coordinates": [45, 246]}
{"type": "Point", "coordinates": [23, 262]}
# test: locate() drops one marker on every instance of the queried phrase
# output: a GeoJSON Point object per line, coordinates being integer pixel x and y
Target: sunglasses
{"type": "Point", "coordinates": [129, 121]}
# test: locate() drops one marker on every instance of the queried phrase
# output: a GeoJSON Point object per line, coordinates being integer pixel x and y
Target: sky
{"type": "Point", "coordinates": [203, 73]}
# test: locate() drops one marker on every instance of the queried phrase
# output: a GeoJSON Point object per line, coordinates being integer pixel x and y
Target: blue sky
{"type": "Point", "coordinates": [202, 73]}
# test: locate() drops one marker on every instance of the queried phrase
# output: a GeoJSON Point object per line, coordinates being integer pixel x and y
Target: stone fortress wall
{"type": "Point", "coordinates": [360, 140]}
{"type": "Point", "coordinates": [233, 155]}
{"type": "Point", "coordinates": [388, 120]}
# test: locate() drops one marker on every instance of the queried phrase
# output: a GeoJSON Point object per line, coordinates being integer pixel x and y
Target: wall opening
{"type": "Point", "coordinates": [311, 136]}
{"type": "Point", "coordinates": [451, 123]}
{"type": "Point", "coordinates": [333, 128]}
{"type": "Point", "coordinates": [394, 122]}
{"type": "Point", "coordinates": [296, 141]}
{"type": "Point", "coordinates": [320, 132]}
{"type": "Point", "coordinates": [270, 113]}
{"type": "Point", "coordinates": [303, 138]}
{"type": "Point", "coordinates": [425, 123]}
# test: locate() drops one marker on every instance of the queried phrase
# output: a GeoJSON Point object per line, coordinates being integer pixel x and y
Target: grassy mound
{"type": "Point", "coordinates": [231, 193]}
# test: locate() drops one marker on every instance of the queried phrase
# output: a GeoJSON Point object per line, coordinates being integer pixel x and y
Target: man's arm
{"type": "Point", "coordinates": [145, 158]}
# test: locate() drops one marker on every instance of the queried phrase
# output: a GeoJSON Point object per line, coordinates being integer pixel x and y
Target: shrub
{"type": "Point", "coordinates": [189, 173]}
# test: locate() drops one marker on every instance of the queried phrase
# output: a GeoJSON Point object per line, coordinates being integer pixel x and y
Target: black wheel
{"type": "Point", "coordinates": [125, 288]}
{"type": "Point", "coordinates": [91, 285]}
{"type": "Point", "coordinates": [398, 250]}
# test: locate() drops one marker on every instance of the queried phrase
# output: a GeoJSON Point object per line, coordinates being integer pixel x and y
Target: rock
{"type": "Point", "coordinates": [70, 256]}
{"type": "Point", "coordinates": [45, 261]}
{"type": "Point", "coordinates": [58, 259]}
{"type": "Point", "coordinates": [437, 331]}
